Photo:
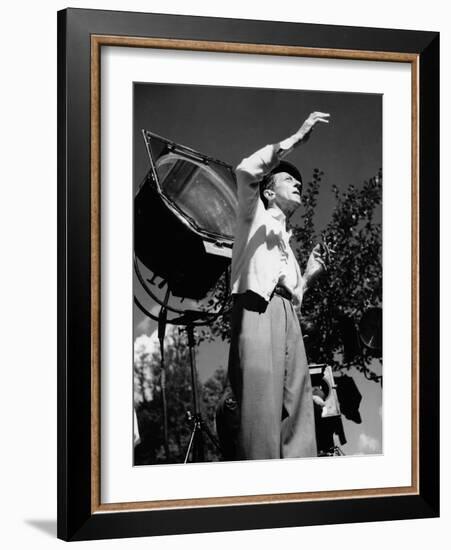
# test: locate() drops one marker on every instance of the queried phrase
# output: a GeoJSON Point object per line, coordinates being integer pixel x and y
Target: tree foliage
{"type": "Point", "coordinates": [334, 306]}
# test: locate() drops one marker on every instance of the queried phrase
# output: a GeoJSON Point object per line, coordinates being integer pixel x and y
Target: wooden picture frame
{"type": "Point", "coordinates": [81, 35]}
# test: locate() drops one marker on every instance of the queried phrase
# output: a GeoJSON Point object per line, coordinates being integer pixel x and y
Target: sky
{"type": "Point", "coordinates": [229, 124]}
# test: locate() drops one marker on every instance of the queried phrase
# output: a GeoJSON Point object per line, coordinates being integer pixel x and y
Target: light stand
{"type": "Point", "coordinates": [189, 319]}
{"type": "Point", "coordinates": [184, 222]}
{"type": "Point", "coordinates": [198, 426]}
{"type": "Point", "coordinates": [162, 320]}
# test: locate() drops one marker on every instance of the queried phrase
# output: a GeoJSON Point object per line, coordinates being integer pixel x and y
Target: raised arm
{"type": "Point", "coordinates": [252, 169]}
{"type": "Point", "coordinates": [302, 135]}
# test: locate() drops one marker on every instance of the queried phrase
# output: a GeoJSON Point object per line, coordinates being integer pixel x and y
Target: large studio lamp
{"type": "Point", "coordinates": [185, 217]}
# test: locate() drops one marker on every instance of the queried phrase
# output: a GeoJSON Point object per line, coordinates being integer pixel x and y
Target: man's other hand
{"type": "Point", "coordinates": [316, 264]}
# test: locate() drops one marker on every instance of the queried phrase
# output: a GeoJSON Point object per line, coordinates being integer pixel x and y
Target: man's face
{"type": "Point", "coordinates": [287, 190]}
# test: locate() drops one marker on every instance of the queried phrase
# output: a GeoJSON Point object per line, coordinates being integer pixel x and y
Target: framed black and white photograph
{"type": "Point", "coordinates": [337, 204]}
{"type": "Point", "coordinates": [247, 251]}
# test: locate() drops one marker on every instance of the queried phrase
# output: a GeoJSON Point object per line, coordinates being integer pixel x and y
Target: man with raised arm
{"type": "Point", "coordinates": [268, 368]}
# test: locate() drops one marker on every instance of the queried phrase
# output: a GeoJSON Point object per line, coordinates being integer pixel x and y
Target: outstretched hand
{"type": "Point", "coordinates": [317, 263]}
{"type": "Point", "coordinates": [313, 119]}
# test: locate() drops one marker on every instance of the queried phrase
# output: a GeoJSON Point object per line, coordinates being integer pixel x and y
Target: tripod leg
{"type": "Point", "coordinates": [198, 452]}
{"type": "Point", "coordinates": [188, 450]}
{"type": "Point", "coordinates": [213, 439]}
{"type": "Point", "coordinates": [196, 444]}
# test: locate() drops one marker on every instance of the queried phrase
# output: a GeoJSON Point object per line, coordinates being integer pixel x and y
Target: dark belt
{"type": "Point", "coordinates": [283, 292]}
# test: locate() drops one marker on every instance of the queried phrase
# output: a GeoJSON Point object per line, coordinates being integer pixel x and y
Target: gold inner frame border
{"type": "Point", "coordinates": [97, 41]}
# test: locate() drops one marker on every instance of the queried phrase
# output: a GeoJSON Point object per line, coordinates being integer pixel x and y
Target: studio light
{"type": "Point", "coordinates": [185, 217]}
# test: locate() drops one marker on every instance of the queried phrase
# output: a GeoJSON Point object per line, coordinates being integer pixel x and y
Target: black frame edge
{"type": "Point", "coordinates": [251, 517]}
{"type": "Point", "coordinates": [61, 278]}
{"type": "Point", "coordinates": [74, 272]}
{"type": "Point", "coordinates": [194, 27]}
{"type": "Point", "coordinates": [430, 273]}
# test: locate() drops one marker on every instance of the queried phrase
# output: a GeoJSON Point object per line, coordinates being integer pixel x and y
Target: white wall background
{"type": "Point", "coordinates": [28, 271]}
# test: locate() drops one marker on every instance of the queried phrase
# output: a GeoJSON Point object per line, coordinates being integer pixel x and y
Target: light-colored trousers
{"type": "Point", "coordinates": [269, 375]}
